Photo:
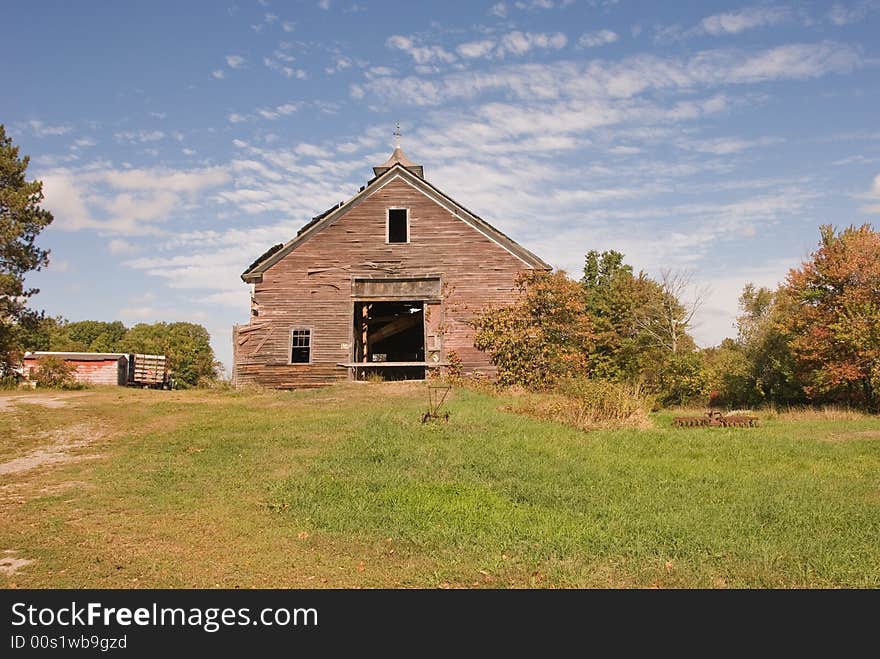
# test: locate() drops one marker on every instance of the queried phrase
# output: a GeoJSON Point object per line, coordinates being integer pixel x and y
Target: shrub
{"type": "Point", "coordinates": [542, 336]}
{"type": "Point", "coordinates": [9, 381]}
{"type": "Point", "coordinates": [55, 373]}
{"type": "Point", "coordinates": [588, 404]}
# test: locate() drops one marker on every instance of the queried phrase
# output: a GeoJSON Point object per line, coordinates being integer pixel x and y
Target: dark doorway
{"type": "Point", "coordinates": [389, 340]}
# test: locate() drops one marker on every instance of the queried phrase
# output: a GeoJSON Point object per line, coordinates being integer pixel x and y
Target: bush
{"type": "Point", "coordinates": [55, 373]}
{"type": "Point", "coordinates": [542, 336]}
{"type": "Point", "coordinates": [588, 404]}
{"type": "Point", "coordinates": [9, 381]}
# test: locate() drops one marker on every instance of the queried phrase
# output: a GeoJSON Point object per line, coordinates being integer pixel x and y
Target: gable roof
{"type": "Point", "coordinates": [396, 170]}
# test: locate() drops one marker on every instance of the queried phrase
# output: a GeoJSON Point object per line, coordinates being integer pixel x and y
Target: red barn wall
{"type": "Point", "coordinates": [311, 287]}
{"type": "Point", "coordinates": [106, 371]}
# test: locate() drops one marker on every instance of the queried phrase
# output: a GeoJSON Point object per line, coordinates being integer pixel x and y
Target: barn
{"type": "Point", "coordinates": [382, 285]}
{"type": "Point", "coordinates": [91, 367]}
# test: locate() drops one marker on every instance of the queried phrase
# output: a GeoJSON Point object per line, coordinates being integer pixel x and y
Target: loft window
{"type": "Point", "coordinates": [301, 346]}
{"type": "Point", "coordinates": [398, 225]}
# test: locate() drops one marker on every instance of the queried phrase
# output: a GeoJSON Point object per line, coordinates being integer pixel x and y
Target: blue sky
{"type": "Point", "coordinates": [177, 141]}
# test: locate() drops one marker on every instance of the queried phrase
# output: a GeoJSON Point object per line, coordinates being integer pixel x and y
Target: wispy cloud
{"type": "Point", "coordinates": [119, 246]}
{"type": "Point", "coordinates": [873, 195]}
{"type": "Point", "coordinates": [472, 49]}
{"type": "Point", "coordinates": [841, 14]}
{"type": "Point", "coordinates": [235, 61]}
{"type": "Point", "coordinates": [41, 129]}
{"type": "Point", "coordinates": [139, 136]}
{"type": "Point", "coordinates": [421, 54]}
{"type": "Point", "coordinates": [519, 43]}
{"type": "Point", "coordinates": [598, 38]}
{"type": "Point", "coordinates": [128, 202]}
{"type": "Point", "coordinates": [621, 79]}
{"type": "Point", "coordinates": [745, 19]}
{"type": "Point", "coordinates": [283, 66]}
{"type": "Point", "coordinates": [723, 146]}
{"type": "Point", "coordinates": [727, 23]}
{"type": "Point", "coordinates": [499, 9]}
{"type": "Point", "coordinates": [340, 63]}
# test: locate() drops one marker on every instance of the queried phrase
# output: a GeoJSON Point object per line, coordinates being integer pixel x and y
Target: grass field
{"type": "Point", "coordinates": [344, 487]}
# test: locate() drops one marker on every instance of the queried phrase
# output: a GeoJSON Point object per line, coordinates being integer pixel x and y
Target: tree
{"type": "Point", "coordinates": [90, 336]}
{"type": "Point", "coordinates": [186, 345]}
{"type": "Point", "coordinates": [667, 319]}
{"type": "Point", "coordinates": [835, 326]}
{"type": "Point", "coordinates": [21, 220]}
{"type": "Point", "coordinates": [763, 339]}
{"type": "Point", "coordinates": [614, 296]}
{"type": "Point", "coordinates": [543, 336]}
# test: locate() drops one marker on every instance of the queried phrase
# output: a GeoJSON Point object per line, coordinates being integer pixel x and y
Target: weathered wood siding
{"type": "Point", "coordinates": [312, 287]}
{"type": "Point", "coordinates": [107, 371]}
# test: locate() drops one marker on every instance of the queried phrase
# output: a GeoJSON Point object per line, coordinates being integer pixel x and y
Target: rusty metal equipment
{"type": "Point", "coordinates": [714, 419]}
{"type": "Point", "coordinates": [436, 397]}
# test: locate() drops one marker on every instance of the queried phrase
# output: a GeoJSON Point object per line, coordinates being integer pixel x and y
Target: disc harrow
{"type": "Point", "coordinates": [715, 419]}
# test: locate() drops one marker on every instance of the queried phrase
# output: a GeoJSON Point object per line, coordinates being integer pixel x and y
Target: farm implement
{"type": "Point", "coordinates": [714, 419]}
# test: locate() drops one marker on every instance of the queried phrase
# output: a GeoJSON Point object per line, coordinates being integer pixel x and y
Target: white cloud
{"type": "Point", "coordinates": [219, 74]}
{"type": "Point", "coordinates": [421, 54]}
{"type": "Point", "coordinates": [83, 142]}
{"type": "Point", "coordinates": [41, 129]}
{"type": "Point", "coordinates": [598, 38]}
{"type": "Point", "coordinates": [499, 9]}
{"type": "Point", "coordinates": [727, 23]}
{"type": "Point", "coordinates": [139, 136]}
{"type": "Point", "coordinates": [340, 63]}
{"type": "Point", "coordinates": [374, 71]}
{"type": "Point", "coordinates": [519, 43]}
{"type": "Point", "coordinates": [120, 246]}
{"type": "Point", "coordinates": [873, 195]}
{"type": "Point", "coordinates": [727, 145]}
{"type": "Point", "coordinates": [840, 14]}
{"type": "Point", "coordinates": [288, 26]}
{"type": "Point", "coordinates": [235, 61]}
{"type": "Point", "coordinates": [324, 4]}
{"type": "Point", "coordinates": [235, 118]}
{"type": "Point", "coordinates": [622, 79]}
{"type": "Point", "coordinates": [532, 5]}
{"type": "Point", "coordinates": [130, 201]}
{"type": "Point", "coordinates": [473, 49]}
{"type": "Point", "coordinates": [284, 69]}
{"type": "Point", "coordinates": [745, 19]}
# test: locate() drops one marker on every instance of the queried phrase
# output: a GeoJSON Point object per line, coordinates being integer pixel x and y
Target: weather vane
{"type": "Point", "coordinates": [397, 136]}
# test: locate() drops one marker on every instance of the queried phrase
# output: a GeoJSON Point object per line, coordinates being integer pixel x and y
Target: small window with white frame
{"type": "Point", "coordinates": [397, 226]}
{"type": "Point", "coordinates": [301, 345]}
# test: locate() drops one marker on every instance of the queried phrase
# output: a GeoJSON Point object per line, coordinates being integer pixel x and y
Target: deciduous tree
{"type": "Point", "coordinates": [835, 326]}
{"type": "Point", "coordinates": [543, 336]}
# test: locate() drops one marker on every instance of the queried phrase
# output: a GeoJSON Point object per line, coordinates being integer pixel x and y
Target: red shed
{"type": "Point", "coordinates": [91, 367]}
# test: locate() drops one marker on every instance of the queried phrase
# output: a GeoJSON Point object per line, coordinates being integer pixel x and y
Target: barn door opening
{"type": "Point", "coordinates": [389, 340]}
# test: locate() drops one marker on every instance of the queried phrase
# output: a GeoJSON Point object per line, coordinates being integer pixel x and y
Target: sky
{"type": "Point", "coordinates": [177, 141]}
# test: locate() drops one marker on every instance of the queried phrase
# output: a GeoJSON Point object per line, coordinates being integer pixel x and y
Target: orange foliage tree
{"type": "Point", "coordinates": [543, 336]}
{"type": "Point", "coordinates": [835, 319]}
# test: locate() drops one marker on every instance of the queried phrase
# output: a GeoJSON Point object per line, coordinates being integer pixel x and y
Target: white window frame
{"type": "Point", "coordinates": [388, 224]}
{"type": "Point", "coordinates": [300, 328]}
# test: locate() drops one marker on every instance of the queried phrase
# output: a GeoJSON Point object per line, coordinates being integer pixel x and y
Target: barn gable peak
{"type": "Point", "coordinates": [398, 157]}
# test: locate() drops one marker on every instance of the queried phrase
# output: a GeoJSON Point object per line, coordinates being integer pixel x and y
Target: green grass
{"type": "Point", "coordinates": [345, 487]}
